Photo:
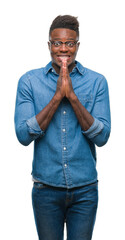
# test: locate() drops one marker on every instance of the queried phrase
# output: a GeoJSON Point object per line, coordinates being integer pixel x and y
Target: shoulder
{"type": "Point", "coordinates": [30, 76]}
{"type": "Point", "coordinates": [95, 78]}
{"type": "Point", "coordinates": [90, 74]}
{"type": "Point", "coordinates": [93, 74]}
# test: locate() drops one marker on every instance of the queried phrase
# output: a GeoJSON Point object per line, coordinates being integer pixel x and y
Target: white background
{"type": "Point", "coordinates": [24, 36]}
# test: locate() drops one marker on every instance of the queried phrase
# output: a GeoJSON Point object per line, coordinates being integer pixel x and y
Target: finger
{"type": "Point", "coordinates": [65, 70]}
{"type": "Point", "coordinates": [64, 63]}
{"type": "Point", "coordinates": [61, 70]}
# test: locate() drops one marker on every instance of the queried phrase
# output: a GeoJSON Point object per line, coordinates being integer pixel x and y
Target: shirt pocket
{"type": "Point", "coordinates": [86, 100]}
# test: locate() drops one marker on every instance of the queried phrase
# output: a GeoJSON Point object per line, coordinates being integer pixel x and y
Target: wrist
{"type": "Point", "coordinates": [72, 97]}
{"type": "Point", "coordinates": [57, 97]}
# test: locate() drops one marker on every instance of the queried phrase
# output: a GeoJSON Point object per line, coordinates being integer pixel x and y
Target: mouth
{"type": "Point", "coordinates": [62, 57]}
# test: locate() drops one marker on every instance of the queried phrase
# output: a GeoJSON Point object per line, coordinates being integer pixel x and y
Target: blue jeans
{"type": "Point", "coordinates": [54, 206]}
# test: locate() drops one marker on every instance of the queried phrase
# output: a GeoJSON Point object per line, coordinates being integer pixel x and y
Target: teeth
{"type": "Point", "coordinates": [63, 57]}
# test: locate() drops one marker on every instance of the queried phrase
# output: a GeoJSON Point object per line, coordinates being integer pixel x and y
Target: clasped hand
{"type": "Point", "coordinates": [64, 83]}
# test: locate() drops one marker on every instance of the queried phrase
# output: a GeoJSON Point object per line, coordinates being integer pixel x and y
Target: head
{"type": "Point", "coordinates": [63, 41]}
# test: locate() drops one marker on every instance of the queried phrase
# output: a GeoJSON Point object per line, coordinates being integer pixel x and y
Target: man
{"type": "Point", "coordinates": [64, 109]}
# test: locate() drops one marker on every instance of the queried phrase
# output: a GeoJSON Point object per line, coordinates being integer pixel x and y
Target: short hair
{"type": "Point", "coordinates": [65, 21]}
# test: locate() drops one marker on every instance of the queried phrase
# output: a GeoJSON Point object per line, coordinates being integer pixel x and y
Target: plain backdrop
{"type": "Point", "coordinates": [23, 46]}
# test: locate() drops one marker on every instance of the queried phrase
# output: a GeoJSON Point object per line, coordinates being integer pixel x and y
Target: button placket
{"type": "Point", "coordinates": [64, 145]}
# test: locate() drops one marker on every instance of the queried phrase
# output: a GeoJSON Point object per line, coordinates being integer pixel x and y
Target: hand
{"type": "Point", "coordinates": [64, 83]}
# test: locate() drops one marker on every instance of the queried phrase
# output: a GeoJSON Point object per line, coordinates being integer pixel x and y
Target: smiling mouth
{"type": "Point", "coordinates": [62, 57]}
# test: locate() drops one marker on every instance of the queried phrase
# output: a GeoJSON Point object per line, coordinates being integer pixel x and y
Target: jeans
{"type": "Point", "coordinates": [54, 206]}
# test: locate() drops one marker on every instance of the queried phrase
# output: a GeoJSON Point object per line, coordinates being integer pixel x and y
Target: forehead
{"type": "Point", "coordinates": [63, 33]}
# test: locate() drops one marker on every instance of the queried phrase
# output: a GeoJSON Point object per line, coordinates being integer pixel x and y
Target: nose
{"type": "Point", "coordinates": [63, 48]}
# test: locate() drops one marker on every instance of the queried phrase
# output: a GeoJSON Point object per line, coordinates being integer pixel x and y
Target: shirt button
{"type": "Point", "coordinates": [64, 112]}
{"type": "Point", "coordinates": [65, 165]}
{"type": "Point", "coordinates": [64, 130]}
{"type": "Point", "coordinates": [64, 148]}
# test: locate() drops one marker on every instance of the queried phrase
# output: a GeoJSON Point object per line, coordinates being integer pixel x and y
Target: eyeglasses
{"type": "Point", "coordinates": [69, 44]}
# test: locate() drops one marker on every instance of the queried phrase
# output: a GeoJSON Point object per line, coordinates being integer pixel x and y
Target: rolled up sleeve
{"type": "Point", "coordinates": [99, 131]}
{"type": "Point", "coordinates": [33, 126]}
{"type": "Point", "coordinates": [95, 129]}
{"type": "Point", "coordinates": [26, 125]}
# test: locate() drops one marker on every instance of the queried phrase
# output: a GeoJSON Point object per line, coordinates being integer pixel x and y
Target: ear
{"type": "Point", "coordinates": [49, 45]}
{"type": "Point", "coordinates": [78, 44]}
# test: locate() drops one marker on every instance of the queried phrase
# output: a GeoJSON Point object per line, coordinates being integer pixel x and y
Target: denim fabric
{"type": "Point", "coordinates": [64, 154]}
{"type": "Point", "coordinates": [53, 206]}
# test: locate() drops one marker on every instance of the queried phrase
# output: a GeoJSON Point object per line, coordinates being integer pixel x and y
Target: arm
{"type": "Point", "coordinates": [84, 117]}
{"type": "Point", "coordinates": [100, 130]}
{"type": "Point", "coordinates": [95, 126]}
{"type": "Point", "coordinates": [45, 116]}
{"type": "Point", "coordinates": [64, 88]}
{"type": "Point", "coordinates": [26, 126]}
{"type": "Point", "coordinates": [29, 126]}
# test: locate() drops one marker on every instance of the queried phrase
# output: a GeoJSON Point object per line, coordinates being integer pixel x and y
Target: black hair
{"type": "Point", "coordinates": [65, 21]}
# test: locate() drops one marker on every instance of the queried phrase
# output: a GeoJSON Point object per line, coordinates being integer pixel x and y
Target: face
{"type": "Point", "coordinates": [63, 50]}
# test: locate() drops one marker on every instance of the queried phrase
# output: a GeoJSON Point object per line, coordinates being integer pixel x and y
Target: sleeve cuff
{"type": "Point", "coordinates": [94, 130]}
{"type": "Point", "coordinates": [34, 127]}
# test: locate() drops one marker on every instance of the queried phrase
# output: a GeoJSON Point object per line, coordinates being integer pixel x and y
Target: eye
{"type": "Point", "coordinates": [56, 43]}
{"type": "Point", "coordinates": [70, 44]}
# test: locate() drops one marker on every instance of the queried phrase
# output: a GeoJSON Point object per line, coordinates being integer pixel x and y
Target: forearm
{"type": "Point", "coordinates": [92, 128]}
{"type": "Point", "coordinates": [84, 117]}
{"type": "Point", "coordinates": [44, 117]}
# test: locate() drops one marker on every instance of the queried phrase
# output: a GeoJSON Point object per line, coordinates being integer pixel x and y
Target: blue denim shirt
{"type": "Point", "coordinates": [64, 154]}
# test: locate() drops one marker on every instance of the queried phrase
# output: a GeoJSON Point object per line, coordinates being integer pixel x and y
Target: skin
{"type": "Point", "coordinates": [63, 66]}
{"type": "Point", "coordinates": [62, 34]}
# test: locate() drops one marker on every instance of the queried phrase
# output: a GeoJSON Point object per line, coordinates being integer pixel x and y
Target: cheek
{"type": "Point", "coordinates": [73, 53]}
{"type": "Point", "coordinates": [52, 50]}
{"type": "Point", "coordinates": [53, 53]}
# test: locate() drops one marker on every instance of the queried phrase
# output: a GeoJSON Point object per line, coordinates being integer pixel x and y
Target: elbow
{"type": "Point", "coordinates": [22, 137]}
{"type": "Point", "coordinates": [101, 143]}
{"type": "Point", "coordinates": [23, 142]}
{"type": "Point", "coordinates": [102, 138]}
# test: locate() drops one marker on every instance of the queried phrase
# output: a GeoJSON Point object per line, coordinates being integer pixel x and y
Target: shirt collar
{"type": "Point", "coordinates": [78, 67]}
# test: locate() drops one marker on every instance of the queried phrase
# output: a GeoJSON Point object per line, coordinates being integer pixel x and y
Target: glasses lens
{"type": "Point", "coordinates": [56, 43]}
{"type": "Point", "coordinates": [69, 44]}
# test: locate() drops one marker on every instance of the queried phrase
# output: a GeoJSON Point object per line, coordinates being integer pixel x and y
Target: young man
{"type": "Point", "coordinates": [64, 109]}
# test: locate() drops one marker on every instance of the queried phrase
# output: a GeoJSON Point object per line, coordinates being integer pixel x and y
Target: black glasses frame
{"type": "Point", "coordinates": [66, 43]}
